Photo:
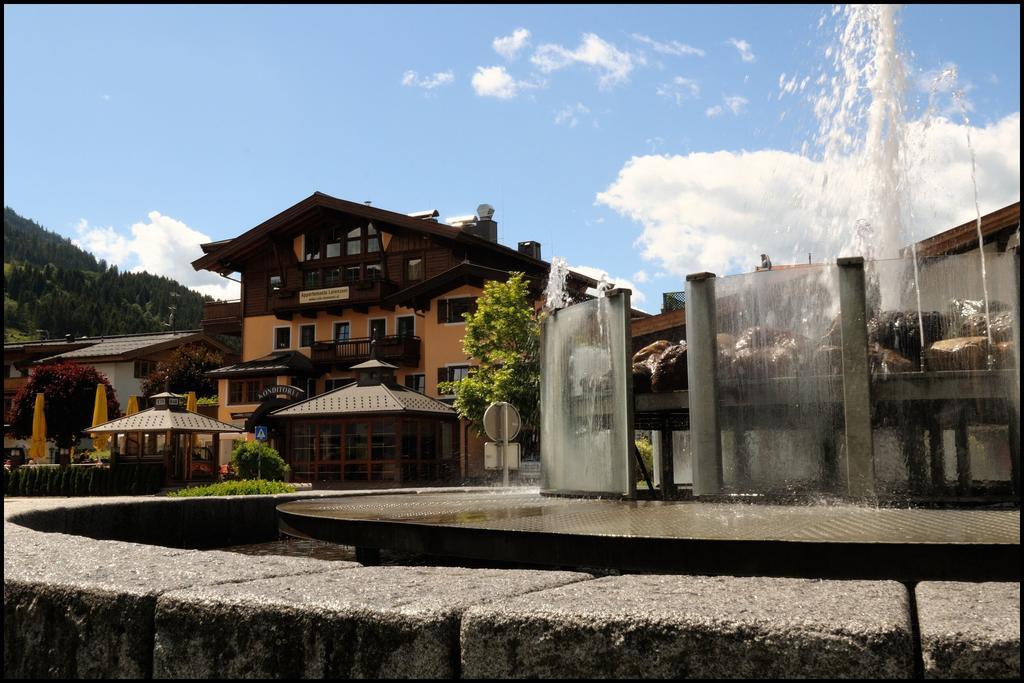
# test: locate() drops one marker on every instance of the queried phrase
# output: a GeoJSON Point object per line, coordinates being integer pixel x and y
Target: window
{"type": "Point", "coordinates": [144, 368]}
{"type": "Point", "coordinates": [235, 392]}
{"type": "Point", "coordinates": [378, 328]}
{"type": "Point", "coordinates": [333, 246]}
{"type": "Point", "coordinates": [356, 434]}
{"type": "Point", "coordinates": [330, 442]}
{"type": "Point", "coordinates": [374, 271]}
{"type": "Point", "coordinates": [331, 384]}
{"type": "Point", "coordinates": [406, 326]}
{"type": "Point", "coordinates": [341, 331]}
{"type": "Point", "coordinates": [372, 239]}
{"type": "Point", "coordinates": [417, 383]}
{"type": "Point", "coordinates": [311, 279]}
{"type": "Point", "coordinates": [452, 310]}
{"type": "Point", "coordinates": [310, 387]}
{"type": "Point", "coordinates": [275, 283]}
{"type": "Point", "coordinates": [332, 276]}
{"type": "Point", "coordinates": [413, 269]}
{"type": "Point", "coordinates": [307, 335]}
{"type": "Point", "coordinates": [352, 273]}
{"type": "Point", "coordinates": [282, 337]}
{"type": "Point", "coordinates": [382, 445]}
{"type": "Point", "coordinates": [354, 242]}
{"type": "Point", "coordinates": [246, 391]}
{"type": "Point", "coordinates": [453, 373]}
{"type": "Point", "coordinates": [312, 246]}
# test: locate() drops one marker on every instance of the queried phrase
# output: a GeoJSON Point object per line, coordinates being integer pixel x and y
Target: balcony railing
{"type": "Point", "coordinates": [222, 317]}
{"type": "Point", "coordinates": [401, 351]}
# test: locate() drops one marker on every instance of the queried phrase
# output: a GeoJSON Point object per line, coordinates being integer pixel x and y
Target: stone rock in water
{"type": "Point", "coordinates": [641, 378]}
{"type": "Point", "coordinates": [651, 351]}
{"type": "Point", "coordinates": [960, 353]}
{"type": "Point", "coordinates": [883, 361]}
{"type": "Point", "coordinates": [1002, 326]}
{"type": "Point", "coordinates": [763, 352]}
{"type": "Point", "coordinates": [900, 332]}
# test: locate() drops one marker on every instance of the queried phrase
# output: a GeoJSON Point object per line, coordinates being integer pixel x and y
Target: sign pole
{"type": "Point", "coordinates": [504, 445]}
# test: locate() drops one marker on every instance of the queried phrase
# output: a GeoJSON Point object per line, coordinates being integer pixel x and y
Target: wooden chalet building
{"type": "Point", "coordinates": [327, 279]}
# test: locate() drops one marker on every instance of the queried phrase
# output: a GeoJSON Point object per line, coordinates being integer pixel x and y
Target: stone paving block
{"type": "Point", "coordinates": [969, 630]}
{"type": "Point", "coordinates": [369, 622]}
{"type": "Point", "coordinates": [654, 626]}
{"type": "Point", "coordinates": [77, 607]}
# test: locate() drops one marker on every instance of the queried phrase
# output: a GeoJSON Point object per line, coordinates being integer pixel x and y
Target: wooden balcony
{"type": "Point", "coordinates": [343, 354]}
{"type": "Point", "coordinates": [222, 317]}
{"type": "Point", "coordinates": [359, 294]}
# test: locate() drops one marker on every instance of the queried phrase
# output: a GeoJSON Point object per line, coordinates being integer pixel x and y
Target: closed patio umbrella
{"type": "Point", "coordinates": [99, 416]}
{"type": "Point", "coordinates": [37, 449]}
{"type": "Point", "coordinates": [192, 406]}
{"type": "Point", "coordinates": [133, 405]}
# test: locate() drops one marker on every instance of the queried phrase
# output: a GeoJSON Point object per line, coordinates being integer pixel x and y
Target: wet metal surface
{"type": "Point", "coordinates": [533, 513]}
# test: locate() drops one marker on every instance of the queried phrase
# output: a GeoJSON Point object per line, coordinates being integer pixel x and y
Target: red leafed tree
{"type": "Point", "coordinates": [70, 390]}
{"type": "Point", "coordinates": [185, 370]}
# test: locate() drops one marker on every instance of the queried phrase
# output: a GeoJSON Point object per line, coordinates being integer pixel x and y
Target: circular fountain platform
{"type": "Point", "coordinates": [817, 541]}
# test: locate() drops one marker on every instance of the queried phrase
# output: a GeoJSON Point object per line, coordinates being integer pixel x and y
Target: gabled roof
{"type": "Point", "coordinates": [165, 420]}
{"type": "Point", "coordinates": [131, 346]}
{"type": "Point", "coordinates": [353, 399]}
{"type": "Point", "coordinates": [225, 256]}
{"type": "Point", "coordinates": [276, 363]}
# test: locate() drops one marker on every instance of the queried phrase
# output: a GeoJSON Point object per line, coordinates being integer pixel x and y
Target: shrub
{"type": "Point", "coordinates": [257, 460]}
{"type": "Point", "coordinates": [240, 487]}
{"type": "Point", "coordinates": [647, 455]}
{"type": "Point", "coordinates": [85, 480]}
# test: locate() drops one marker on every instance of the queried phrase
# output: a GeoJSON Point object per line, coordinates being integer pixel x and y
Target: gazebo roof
{"type": "Point", "coordinates": [375, 398]}
{"type": "Point", "coordinates": [161, 420]}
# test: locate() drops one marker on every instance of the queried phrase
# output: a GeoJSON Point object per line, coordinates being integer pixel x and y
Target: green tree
{"type": "Point", "coordinates": [70, 390]}
{"type": "Point", "coordinates": [257, 460]}
{"type": "Point", "coordinates": [503, 335]}
{"type": "Point", "coordinates": [185, 370]}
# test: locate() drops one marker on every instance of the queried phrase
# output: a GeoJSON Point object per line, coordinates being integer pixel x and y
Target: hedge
{"type": "Point", "coordinates": [240, 487]}
{"type": "Point", "coordinates": [70, 480]}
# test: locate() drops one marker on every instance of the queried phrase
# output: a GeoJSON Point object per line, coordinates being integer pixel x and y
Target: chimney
{"type": "Point", "coordinates": [485, 226]}
{"type": "Point", "coordinates": [530, 248]}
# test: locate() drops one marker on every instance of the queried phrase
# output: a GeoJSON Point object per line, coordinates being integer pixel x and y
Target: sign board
{"type": "Point", "coordinates": [312, 296]}
{"type": "Point", "coordinates": [278, 389]}
{"type": "Point", "coordinates": [261, 432]}
{"type": "Point", "coordinates": [492, 456]}
{"type": "Point", "coordinates": [497, 416]}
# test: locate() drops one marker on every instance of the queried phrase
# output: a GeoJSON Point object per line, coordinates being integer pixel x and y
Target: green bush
{"type": "Point", "coordinates": [84, 480]}
{"type": "Point", "coordinates": [240, 487]}
{"type": "Point", "coordinates": [257, 460]}
{"type": "Point", "coordinates": [647, 455]}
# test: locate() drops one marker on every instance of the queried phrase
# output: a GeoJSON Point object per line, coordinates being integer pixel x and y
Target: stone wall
{"type": "Point", "coordinates": [97, 588]}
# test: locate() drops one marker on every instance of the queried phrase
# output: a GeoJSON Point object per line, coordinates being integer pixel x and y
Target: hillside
{"type": "Point", "coordinates": [50, 284]}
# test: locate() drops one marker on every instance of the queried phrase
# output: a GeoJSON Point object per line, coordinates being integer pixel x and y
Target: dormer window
{"type": "Point", "coordinates": [312, 246]}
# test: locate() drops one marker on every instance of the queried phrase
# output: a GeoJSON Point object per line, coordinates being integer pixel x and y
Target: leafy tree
{"type": "Point", "coordinates": [70, 390]}
{"type": "Point", "coordinates": [257, 460]}
{"type": "Point", "coordinates": [185, 371]}
{"type": "Point", "coordinates": [504, 336]}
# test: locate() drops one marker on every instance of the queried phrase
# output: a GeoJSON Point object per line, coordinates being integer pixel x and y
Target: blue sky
{"type": "Point", "coordinates": [645, 141]}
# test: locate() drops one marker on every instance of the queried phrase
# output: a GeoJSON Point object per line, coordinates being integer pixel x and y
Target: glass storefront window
{"type": "Point", "coordinates": [356, 434]}
{"type": "Point", "coordinates": [383, 440]}
{"type": "Point", "coordinates": [330, 442]}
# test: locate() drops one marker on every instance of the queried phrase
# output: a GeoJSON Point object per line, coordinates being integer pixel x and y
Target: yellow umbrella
{"type": "Point", "coordinates": [99, 416]}
{"type": "Point", "coordinates": [133, 405]}
{"type": "Point", "coordinates": [37, 450]}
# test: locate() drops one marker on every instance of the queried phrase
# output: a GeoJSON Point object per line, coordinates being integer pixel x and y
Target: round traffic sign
{"type": "Point", "coordinates": [497, 416]}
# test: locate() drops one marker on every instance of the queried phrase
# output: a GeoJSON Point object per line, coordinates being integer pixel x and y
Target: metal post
{"type": "Point", "coordinates": [1015, 408]}
{"type": "Point", "coordinates": [504, 445]}
{"type": "Point", "coordinates": [701, 365]}
{"type": "Point", "coordinates": [860, 457]}
{"type": "Point", "coordinates": [622, 366]}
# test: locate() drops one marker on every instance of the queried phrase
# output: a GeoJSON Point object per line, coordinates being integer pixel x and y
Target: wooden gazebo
{"type": "Point", "coordinates": [166, 433]}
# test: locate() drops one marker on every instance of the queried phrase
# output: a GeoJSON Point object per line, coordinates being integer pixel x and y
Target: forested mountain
{"type": "Point", "coordinates": [50, 284]}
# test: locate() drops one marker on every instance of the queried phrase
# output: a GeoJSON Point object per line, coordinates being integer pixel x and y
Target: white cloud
{"type": "Point", "coordinates": [674, 48]}
{"type": "Point", "coordinates": [744, 49]}
{"type": "Point", "coordinates": [679, 89]}
{"type": "Point", "coordinates": [641, 276]}
{"type": "Point", "coordinates": [712, 112]}
{"type": "Point", "coordinates": [495, 81]}
{"type": "Point", "coordinates": [736, 103]}
{"type": "Point", "coordinates": [509, 46]}
{"type": "Point", "coordinates": [570, 114]}
{"type": "Point", "coordinates": [163, 246]}
{"type": "Point", "coordinates": [718, 211]}
{"type": "Point", "coordinates": [411, 79]}
{"type": "Point", "coordinates": [614, 64]}
{"type": "Point", "coordinates": [637, 298]}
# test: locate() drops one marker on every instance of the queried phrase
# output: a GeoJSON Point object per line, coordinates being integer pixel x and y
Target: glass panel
{"type": "Point", "coordinates": [356, 434]}
{"type": "Point", "coordinates": [428, 440]}
{"type": "Point", "coordinates": [587, 437]}
{"type": "Point", "coordinates": [332, 276]}
{"type": "Point", "coordinates": [333, 249]}
{"type": "Point", "coordinates": [356, 472]}
{"type": "Point", "coordinates": [312, 242]}
{"type": "Point", "coordinates": [303, 444]}
{"type": "Point", "coordinates": [352, 273]}
{"type": "Point", "coordinates": [282, 338]}
{"type": "Point", "coordinates": [406, 326]}
{"type": "Point", "coordinates": [374, 271]}
{"type": "Point", "coordinates": [330, 442]}
{"type": "Point", "coordinates": [341, 331]}
{"type": "Point", "coordinates": [311, 279]}
{"type": "Point", "coordinates": [354, 243]}
{"type": "Point", "coordinates": [275, 283]}
{"type": "Point", "coordinates": [410, 430]}
{"type": "Point", "coordinates": [383, 440]}
{"type": "Point", "coordinates": [414, 269]}
{"type": "Point", "coordinates": [779, 381]}
{"type": "Point", "coordinates": [307, 335]}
